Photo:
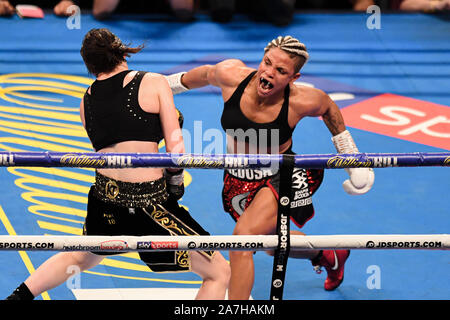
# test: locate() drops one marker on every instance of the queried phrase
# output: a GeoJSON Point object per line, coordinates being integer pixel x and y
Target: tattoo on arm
{"type": "Point", "coordinates": [333, 119]}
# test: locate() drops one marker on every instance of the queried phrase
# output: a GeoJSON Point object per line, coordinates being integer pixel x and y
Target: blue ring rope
{"type": "Point", "coordinates": [220, 161]}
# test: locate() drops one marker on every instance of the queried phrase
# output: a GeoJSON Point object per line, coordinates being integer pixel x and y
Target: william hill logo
{"type": "Point", "coordinates": [81, 161]}
{"type": "Point", "coordinates": [347, 162]}
{"type": "Point", "coordinates": [198, 162]}
{"type": "Point", "coordinates": [77, 160]}
{"type": "Point", "coordinates": [447, 161]}
{"type": "Point", "coordinates": [7, 160]}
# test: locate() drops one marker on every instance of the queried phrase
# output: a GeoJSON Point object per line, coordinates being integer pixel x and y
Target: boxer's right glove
{"type": "Point", "coordinates": [361, 179]}
{"type": "Point", "coordinates": [174, 183]}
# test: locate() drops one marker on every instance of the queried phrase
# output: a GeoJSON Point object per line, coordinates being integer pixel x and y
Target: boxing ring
{"type": "Point", "coordinates": [280, 243]}
{"type": "Point", "coordinates": [402, 67]}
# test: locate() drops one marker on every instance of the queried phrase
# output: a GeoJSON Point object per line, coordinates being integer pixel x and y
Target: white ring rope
{"type": "Point", "coordinates": [223, 243]}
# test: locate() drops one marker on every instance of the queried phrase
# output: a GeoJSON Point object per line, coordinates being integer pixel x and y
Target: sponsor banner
{"type": "Point", "coordinates": [352, 162]}
{"type": "Point", "coordinates": [345, 162]}
{"type": "Point", "coordinates": [7, 160]}
{"type": "Point", "coordinates": [225, 245]}
{"type": "Point", "coordinates": [114, 245]}
{"type": "Point", "coordinates": [79, 247]}
{"type": "Point", "coordinates": [403, 118]}
{"type": "Point", "coordinates": [199, 162]}
{"type": "Point", "coordinates": [81, 160]}
{"type": "Point", "coordinates": [403, 244]}
{"type": "Point", "coordinates": [27, 245]}
{"type": "Point", "coordinates": [157, 245]}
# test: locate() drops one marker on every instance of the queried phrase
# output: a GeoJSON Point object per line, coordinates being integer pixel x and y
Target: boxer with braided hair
{"type": "Point", "coordinates": [292, 46]}
{"type": "Point", "coordinates": [267, 99]}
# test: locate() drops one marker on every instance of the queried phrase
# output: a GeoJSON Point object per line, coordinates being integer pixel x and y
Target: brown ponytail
{"type": "Point", "coordinates": [102, 51]}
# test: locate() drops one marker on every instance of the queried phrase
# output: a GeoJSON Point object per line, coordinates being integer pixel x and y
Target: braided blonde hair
{"type": "Point", "coordinates": [292, 46]}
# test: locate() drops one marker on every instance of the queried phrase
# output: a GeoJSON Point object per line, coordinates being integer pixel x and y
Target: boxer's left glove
{"type": "Point", "coordinates": [361, 179]}
{"type": "Point", "coordinates": [180, 120]}
{"type": "Point", "coordinates": [174, 183]}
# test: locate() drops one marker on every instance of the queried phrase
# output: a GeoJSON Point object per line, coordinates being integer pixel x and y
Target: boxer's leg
{"type": "Point", "coordinates": [260, 217]}
{"type": "Point", "coordinates": [53, 273]}
{"type": "Point", "coordinates": [215, 273]}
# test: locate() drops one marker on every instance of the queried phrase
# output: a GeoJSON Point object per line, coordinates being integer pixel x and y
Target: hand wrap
{"type": "Point", "coordinates": [175, 183]}
{"type": "Point", "coordinates": [175, 84]}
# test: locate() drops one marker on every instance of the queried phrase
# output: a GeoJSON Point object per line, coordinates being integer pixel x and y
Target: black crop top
{"type": "Point", "coordinates": [113, 114]}
{"type": "Point", "coordinates": [234, 119]}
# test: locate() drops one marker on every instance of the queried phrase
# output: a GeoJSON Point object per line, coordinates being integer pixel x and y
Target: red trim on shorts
{"type": "Point", "coordinates": [299, 225]}
{"type": "Point", "coordinates": [271, 187]}
{"type": "Point", "coordinates": [292, 218]}
{"type": "Point", "coordinates": [235, 215]}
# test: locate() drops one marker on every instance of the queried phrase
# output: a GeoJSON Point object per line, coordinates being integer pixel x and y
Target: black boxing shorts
{"type": "Point", "coordinates": [240, 186]}
{"type": "Point", "coordinates": [141, 209]}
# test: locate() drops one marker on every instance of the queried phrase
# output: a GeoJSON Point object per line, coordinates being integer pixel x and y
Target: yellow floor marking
{"type": "Point", "coordinates": [145, 279]}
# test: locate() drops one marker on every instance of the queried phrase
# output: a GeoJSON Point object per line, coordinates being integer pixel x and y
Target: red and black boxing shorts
{"type": "Point", "coordinates": [240, 187]}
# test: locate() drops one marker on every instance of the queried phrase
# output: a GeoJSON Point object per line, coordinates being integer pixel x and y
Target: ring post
{"type": "Point", "coordinates": [283, 221]}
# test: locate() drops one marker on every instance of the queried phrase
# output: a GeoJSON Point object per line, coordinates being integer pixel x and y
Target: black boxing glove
{"type": "Point", "coordinates": [180, 121]}
{"type": "Point", "coordinates": [175, 179]}
{"type": "Point", "coordinates": [174, 183]}
{"type": "Point", "coordinates": [180, 118]}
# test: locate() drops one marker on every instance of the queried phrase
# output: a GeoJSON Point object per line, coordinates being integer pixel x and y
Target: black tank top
{"type": "Point", "coordinates": [113, 114]}
{"type": "Point", "coordinates": [233, 119]}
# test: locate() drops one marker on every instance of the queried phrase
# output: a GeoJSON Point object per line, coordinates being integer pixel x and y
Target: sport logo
{"type": "Point", "coordinates": [383, 162]}
{"type": "Point", "coordinates": [114, 245]}
{"type": "Point", "coordinates": [277, 283]}
{"type": "Point", "coordinates": [370, 244]}
{"type": "Point", "coordinates": [299, 179]}
{"type": "Point", "coordinates": [6, 159]}
{"type": "Point", "coordinates": [197, 162]}
{"type": "Point", "coordinates": [81, 161]}
{"type": "Point", "coordinates": [350, 162]}
{"type": "Point", "coordinates": [157, 245]}
{"type": "Point", "coordinates": [284, 201]}
{"type": "Point", "coordinates": [403, 244]}
{"type": "Point", "coordinates": [118, 161]}
{"type": "Point", "coordinates": [235, 162]}
{"type": "Point", "coordinates": [192, 245]}
{"type": "Point", "coordinates": [402, 118]}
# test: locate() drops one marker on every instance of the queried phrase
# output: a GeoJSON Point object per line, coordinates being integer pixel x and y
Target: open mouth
{"type": "Point", "coordinates": [265, 84]}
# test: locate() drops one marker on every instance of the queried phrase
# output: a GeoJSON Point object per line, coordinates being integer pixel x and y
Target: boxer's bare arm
{"type": "Point", "coordinates": [312, 102]}
{"type": "Point", "coordinates": [332, 116]}
{"type": "Point", "coordinates": [224, 74]}
{"type": "Point", "coordinates": [316, 103]}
